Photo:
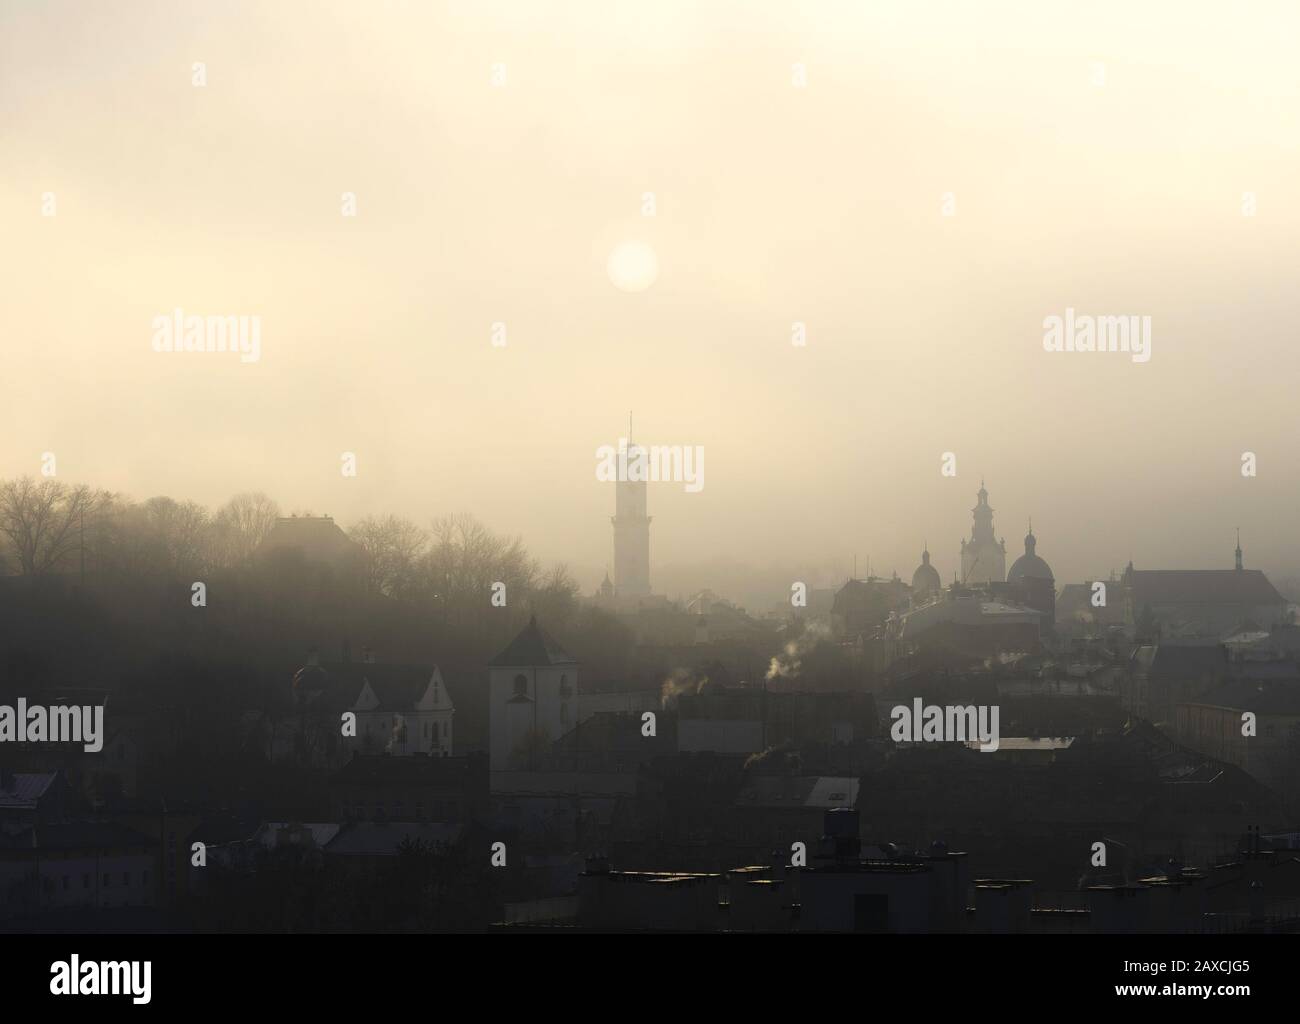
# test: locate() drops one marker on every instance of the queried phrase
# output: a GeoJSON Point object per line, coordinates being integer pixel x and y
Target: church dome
{"type": "Point", "coordinates": [1029, 565]}
{"type": "Point", "coordinates": [926, 576]}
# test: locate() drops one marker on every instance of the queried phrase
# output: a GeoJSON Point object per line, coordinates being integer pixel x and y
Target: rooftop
{"type": "Point", "coordinates": [1202, 586]}
{"type": "Point", "coordinates": [533, 646]}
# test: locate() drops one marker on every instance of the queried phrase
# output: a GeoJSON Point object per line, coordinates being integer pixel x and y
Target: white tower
{"type": "Point", "coordinates": [631, 524]}
{"type": "Point", "coordinates": [533, 695]}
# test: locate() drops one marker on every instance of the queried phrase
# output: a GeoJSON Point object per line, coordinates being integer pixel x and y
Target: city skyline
{"type": "Point", "coordinates": [913, 221]}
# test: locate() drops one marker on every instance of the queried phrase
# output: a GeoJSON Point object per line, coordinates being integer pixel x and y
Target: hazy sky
{"type": "Point", "coordinates": [1097, 156]}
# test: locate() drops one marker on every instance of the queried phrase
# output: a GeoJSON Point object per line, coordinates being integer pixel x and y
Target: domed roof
{"type": "Point", "coordinates": [1029, 565]}
{"type": "Point", "coordinates": [926, 576]}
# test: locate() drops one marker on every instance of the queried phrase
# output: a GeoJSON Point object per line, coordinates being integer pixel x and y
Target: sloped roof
{"type": "Point", "coordinates": [321, 832]}
{"type": "Point", "coordinates": [610, 731]}
{"type": "Point", "coordinates": [77, 835]}
{"type": "Point", "coordinates": [533, 646]}
{"type": "Point", "coordinates": [397, 687]}
{"type": "Point", "coordinates": [1202, 586]}
{"type": "Point", "coordinates": [381, 839]}
{"type": "Point", "coordinates": [970, 611]}
{"type": "Point", "coordinates": [26, 788]}
{"type": "Point", "coordinates": [1277, 698]}
{"type": "Point", "coordinates": [798, 791]}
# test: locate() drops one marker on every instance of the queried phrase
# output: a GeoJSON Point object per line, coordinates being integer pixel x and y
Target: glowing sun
{"type": "Point", "coordinates": [633, 266]}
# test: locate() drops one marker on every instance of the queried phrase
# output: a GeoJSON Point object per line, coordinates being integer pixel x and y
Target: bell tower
{"type": "Point", "coordinates": [983, 557]}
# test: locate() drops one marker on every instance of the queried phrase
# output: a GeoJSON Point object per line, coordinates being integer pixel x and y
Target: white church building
{"type": "Point", "coordinates": [533, 695]}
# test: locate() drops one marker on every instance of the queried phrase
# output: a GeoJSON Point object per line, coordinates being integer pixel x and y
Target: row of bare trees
{"type": "Point", "coordinates": [48, 527]}
{"type": "Point", "coordinates": [455, 563]}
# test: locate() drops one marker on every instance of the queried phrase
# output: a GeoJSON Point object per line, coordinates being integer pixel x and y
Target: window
{"type": "Point", "coordinates": [521, 685]}
{"type": "Point", "coordinates": [107, 881]}
{"type": "Point", "coordinates": [85, 881]}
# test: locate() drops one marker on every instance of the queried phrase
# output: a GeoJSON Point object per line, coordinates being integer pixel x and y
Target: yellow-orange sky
{"type": "Point", "coordinates": [479, 204]}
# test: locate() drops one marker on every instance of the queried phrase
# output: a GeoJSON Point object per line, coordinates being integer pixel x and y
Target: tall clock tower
{"type": "Point", "coordinates": [631, 526]}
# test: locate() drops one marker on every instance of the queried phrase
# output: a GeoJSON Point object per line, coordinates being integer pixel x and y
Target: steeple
{"type": "Point", "coordinates": [1238, 547]}
{"type": "Point", "coordinates": [983, 556]}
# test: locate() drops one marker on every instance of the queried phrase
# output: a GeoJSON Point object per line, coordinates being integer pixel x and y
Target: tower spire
{"type": "Point", "coordinates": [1239, 547]}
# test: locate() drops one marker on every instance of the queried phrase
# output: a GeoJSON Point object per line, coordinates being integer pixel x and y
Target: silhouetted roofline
{"type": "Point", "coordinates": [533, 646]}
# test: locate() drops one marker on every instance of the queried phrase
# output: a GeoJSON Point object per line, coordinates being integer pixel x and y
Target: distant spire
{"type": "Point", "coordinates": [1239, 547]}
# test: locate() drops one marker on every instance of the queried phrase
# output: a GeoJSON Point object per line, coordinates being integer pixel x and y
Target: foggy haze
{"type": "Point", "coordinates": [481, 204]}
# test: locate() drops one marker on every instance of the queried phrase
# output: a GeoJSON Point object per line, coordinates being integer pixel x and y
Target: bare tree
{"type": "Point", "coordinates": [465, 559]}
{"type": "Point", "coordinates": [555, 597]}
{"type": "Point", "coordinates": [43, 521]}
{"type": "Point", "coordinates": [392, 547]}
{"type": "Point", "coordinates": [240, 526]}
{"type": "Point", "coordinates": [181, 528]}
